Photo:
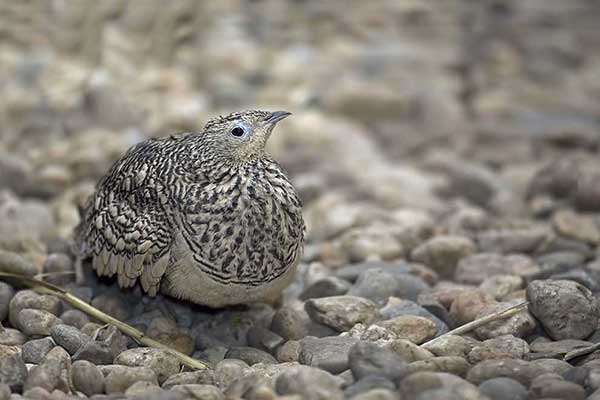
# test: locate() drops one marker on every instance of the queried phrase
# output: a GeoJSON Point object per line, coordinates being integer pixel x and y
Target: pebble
{"type": "Point", "coordinates": [378, 284]}
{"type": "Point", "coordinates": [368, 383]}
{"type": "Point", "coordinates": [145, 390]}
{"type": "Point", "coordinates": [519, 370]}
{"type": "Point", "coordinates": [34, 351]}
{"type": "Point", "coordinates": [188, 378]}
{"type": "Point", "coordinates": [476, 268]}
{"type": "Point", "coordinates": [87, 378]}
{"type": "Point", "coordinates": [506, 346]}
{"type": "Point", "coordinates": [451, 345]}
{"type": "Point", "coordinates": [521, 324]}
{"type": "Point", "coordinates": [166, 331]}
{"type": "Point", "coordinates": [325, 287]}
{"type": "Point", "coordinates": [412, 328]}
{"type": "Point", "coordinates": [423, 381]}
{"type": "Point", "coordinates": [376, 394]}
{"type": "Point", "coordinates": [30, 299]}
{"type": "Point", "coordinates": [576, 226]}
{"type": "Point", "coordinates": [506, 241]}
{"type": "Point", "coordinates": [408, 351]}
{"type": "Point", "coordinates": [46, 375]}
{"type": "Point", "coordinates": [161, 362]}
{"type": "Point", "coordinates": [250, 355]}
{"type": "Point", "coordinates": [56, 264]}
{"type": "Point", "coordinates": [566, 309]}
{"type": "Point", "coordinates": [289, 351]}
{"type": "Point", "coordinates": [351, 272]}
{"type": "Point", "coordinates": [449, 364]}
{"type": "Point", "coordinates": [36, 322]}
{"type": "Point", "coordinates": [503, 389]}
{"type": "Point", "coordinates": [197, 391]}
{"type": "Point", "coordinates": [309, 383]}
{"type": "Point", "coordinates": [4, 391]}
{"type": "Point", "coordinates": [264, 339]}
{"type": "Point", "coordinates": [112, 305]}
{"type": "Point", "coordinates": [69, 337]}
{"type": "Point", "coordinates": [6, 293]}
{"type": "Point", "coordinates": [11, 337]}
{"type": "Point", "coordinates": [12, 368]}
{"type": "Point", "coordinates": [368, 359]}
{"type": "Point", "coordinates": [468, 305]}
{"type": "Point", "coordinates": [341, 312]}
{"type": "Point", "coordinates": [554, 388]}
{"type": "Point", "coordinates": [500, 286]}
{"type": "Point", "coordinates": [119, 378]}
{"type": "Point", "coordinates": [113, 339]}
{"type": "Point", "coordinates": [328, 353]}
{"type": "Point", "coordinates": [399, 307]}
{"type": "Point", "coordinates": [442, 253]}
{"type": "Point", "coordinates": [228, 370]}
{"type": "Point", "coordinates": [97, 352]}
{"type": "Point", "coordinates": [14, 263]}
{"type": "Point", "coordinates": [375, 240]}
{"type": "Point", "coordinates": [75, 318]}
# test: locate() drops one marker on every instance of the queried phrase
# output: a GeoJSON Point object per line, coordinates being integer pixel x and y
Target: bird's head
{"type": "Point", "coordinates": [242, 136]}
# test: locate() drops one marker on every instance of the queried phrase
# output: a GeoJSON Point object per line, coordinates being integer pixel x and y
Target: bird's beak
{"type": "Point", "coordinates": [276, 116]}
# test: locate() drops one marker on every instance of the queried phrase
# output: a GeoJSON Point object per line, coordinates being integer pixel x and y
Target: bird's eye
{"type": "Point", "coordinates": [238, 131]}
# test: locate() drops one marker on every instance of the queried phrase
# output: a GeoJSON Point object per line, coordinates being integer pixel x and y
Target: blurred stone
{"type": "Point", "coordinates": [442, 253]}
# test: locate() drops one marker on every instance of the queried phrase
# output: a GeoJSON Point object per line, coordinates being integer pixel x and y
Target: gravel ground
{"type": "Point", "coordinates": [447, 154]}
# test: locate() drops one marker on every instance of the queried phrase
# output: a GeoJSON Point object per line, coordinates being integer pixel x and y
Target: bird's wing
{"type": "Point", "coordinates": [126, 229]}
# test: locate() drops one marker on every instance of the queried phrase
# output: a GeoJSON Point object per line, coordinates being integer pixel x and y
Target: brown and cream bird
{"type": "Point", "coordinates": [206, 217]}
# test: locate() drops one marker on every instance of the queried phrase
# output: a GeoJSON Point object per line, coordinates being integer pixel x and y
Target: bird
{"type": "Point", "coordinates": [207, 217]}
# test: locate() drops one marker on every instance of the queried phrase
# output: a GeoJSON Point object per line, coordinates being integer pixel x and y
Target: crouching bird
{"type": "Point", "coordinates": [206, 217]}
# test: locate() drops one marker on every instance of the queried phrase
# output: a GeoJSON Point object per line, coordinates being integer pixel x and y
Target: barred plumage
{"type": "Point", "coordinates": [207, 217]}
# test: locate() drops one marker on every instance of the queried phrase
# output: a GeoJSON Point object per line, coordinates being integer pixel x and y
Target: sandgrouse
{"type": "Point", "coordinates": [206, 217]}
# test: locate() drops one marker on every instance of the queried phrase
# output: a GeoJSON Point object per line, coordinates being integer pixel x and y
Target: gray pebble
{"type": "Point", "coordinates": [342, 312]}
{"type": "Point", "coordinates": [228, 370]}
{"type": "Point", "coordinates": [250, 355]}
{"type": "Point", "coordinates": [30, 299]}
{"type": "Point", "coordinates": [11, 337]}
{"type": "Point", "coordinates": [69, 337]}
{"type": "Point", "coordinates": [145, 390]}
{"type": "Point", "coordinates": [87, 378]}
{"type": "Point", "coordinates": [368, 383]}
{"type": "Point", "coordinates": [112, 338]}
{"type": "Point", "coordinates": [13, 371]}
{"type": "Point", "coordinates": [118, 377]}
{"type": "Point", "coordinates": [4, 391]}
{"type": "Point", "coordinates": [16, 264]}
{"type": "Point", "coordinates": [399, 307]}
{"type": "Point", "coordinates": [36, 322]}
{"type": "Point", "coordinates": [566, 309]}
{"type": "Point", "coordinates": [46, 375]}
{"type": "Point", "coordinates": [366, 359]}
{"type": "Point", "coordinates": [503, 389]}
{"type": "Point", "coordinates": [556, 388]}
{"type": "Point", "coordinates": [352, 272]}
{"type": "Point", "coordinates": [56, 264]}
{"type": "Point", "coordinates": [425, 381]}
{"type": "Point", "coordinates": [476, 268]}
{"type": "Point", "coordinates": [442, 253]}
{"type": "Point", "coordinates": [377, 394]}
{"type": "Point", "coordinates": [520, 370]}
{"type": "Point", "coordinates": [328, 353]}
{"type": "Point", "coordinates": [6, 294]}
{"type": "Point", "coordinates": [451, 345]}
{"type": "Point", "coordinates": [197, 391]}
{"type": "Point", "coordinates": [75, 318]}
{"type": "Point", "coordinates": [506, 346]}
{"type": "Point", "coordinates": [294, 324]}
{"type": "Point", "coordinates": [37, 393]}
{"type": "Point", "coordinates": [506, 241]}
{"type": "Point", "coordinates": [289, 351]}
{"type": "Point", "coordinates": [378, 284]}
{"type": "Point", "coordinates": [325, 287]}
{"type": "Point", "coordinates": [34, 351]}
{"type": "Point", "coordinates": [521, 324]}
{"type": "Point", "coordinates": [264, 339]}
{"type": "Point", "coordinates": [206, 376]}
{"type": "Point", "coordinates": [97, 352]}
{"type": "Point", "coordinates": [164, 364]}
{"type": "Point", "coordinates": [309, 383]}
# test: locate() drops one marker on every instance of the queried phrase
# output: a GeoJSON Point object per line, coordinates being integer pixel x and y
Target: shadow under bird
{"type": "Point", "coordinates": [206, 217]}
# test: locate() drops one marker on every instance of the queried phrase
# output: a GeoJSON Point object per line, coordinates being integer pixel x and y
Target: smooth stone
{"type": "Point", "coordinates": [329, 353]}
{"type": "Point", "coordinates": [412, 328]}
{"type": "Point", "coordinates": [264, 339]}
{"type": "Point", "coordinates": [368, 383]}
{"type": "Point", "coordinates": [352, 272]}
{"type": "Point", "coordinates": [451, 345]}
{"type": "Point", "coordinates": [34, 351]}
{"type": "Point", "coordinates": [379, 284]}
{"type": "Point", "coordinates": [449, 364]}
{"type": "Point", "coordinates": [500, 286]}
{"type": "Point", "coordinates": [442, 253]}
{"type": "Point", "coordinates": [14, 263]}
{"type": "Point", "coordinates": [408, 351]}
{"type": "Point", "coordinates": [6, 294]}
{"type": "Point", "coordinates": [37, 322]}
{"type": "Point", "coordinates": [69, 337]}
{"type": "Point", "coordinates": [367, 359]}
{"type": "Point", "coordinates": [519, 370]}
{"type": "Point", "coordinates": [503, 389]}
{"type": "Point", "coordinates": [559, 389]}
{"type": "Point", "coordinates": [87, 378]}
{"type": "Point", "coordinates": [506, 346]}
{"type": "Point", "coordinates": [476, 268]}
{"type": "Point", "coordinates": [119, 378]}
{"type": "Point", "coordinates": [376, 394]}
{"type": "Point", "coordinates": [468, 304]}
{"type": "Point", "coordinates": [75, 318]}
{"type": "Point", "coordinates": [11, 337]}
{"type": "Point", "coordinates": [325, 287]}
{"type": "Point", "coordinates": [341, 312]}
{"type": "Point", "coordinates": [198, 391]}
{"type": "Point", "coordinates": [424, 381]}
{"type": "Point", "coordinates": [521, 324]}
{"type": "Point", "coordinates": [289, 351]}
{"type": "Point", "coordinates": [30, 299]}
{"type": "Point", "coordinates": [164, 364]}
{"type": "Point", "coordinates": [189, 378]}
{"type": "Point", "coordinates": [294, 324]}
{"type": "Point", "coordinates": [506, 241]}
{"type": "Point", "coordinates": [250, 355]}
{"type": "Point", "coordinates": [147, 390]}
{"type": "Point", "coordinates": [398, 307]}
{"type": "Point", "coordinates": [13, 371]}
{"type": "Point", "coordinates": [566, 309]}
{"type": "Point", "coordinates": [310, 383]}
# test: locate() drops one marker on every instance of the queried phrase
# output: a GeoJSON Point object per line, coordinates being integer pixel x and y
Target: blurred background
{"type": "Point", "coordinates": [403, 109]}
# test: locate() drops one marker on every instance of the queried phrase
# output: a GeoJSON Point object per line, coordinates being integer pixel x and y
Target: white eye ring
{"type": "Point", "coordinates": [238, 131]}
